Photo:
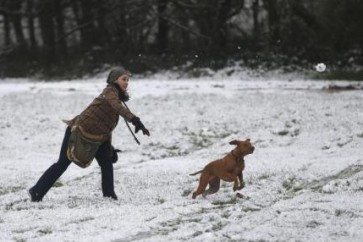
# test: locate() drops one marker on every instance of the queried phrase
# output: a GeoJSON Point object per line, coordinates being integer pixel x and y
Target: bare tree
{"type": "Point", "coordinates": [4, 11]}
{"type": "Point", "coordinates": [46, 13]}
{"type": "Point", "coordinates": [16, 20]}
{"type": "Point", "coordinates": [163, 27]}
{"type": "Point", "coordinates": [31, 28]}
{"type": "Point", "coordinates": [60, 33]}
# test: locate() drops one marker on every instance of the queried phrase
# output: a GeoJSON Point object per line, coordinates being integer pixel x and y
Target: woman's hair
{"type": "Point", "coordinates": [116, 73]}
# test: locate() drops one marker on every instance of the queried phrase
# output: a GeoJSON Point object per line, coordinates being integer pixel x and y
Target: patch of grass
{"type": "Point", "coordinates": [227, 202]}
{"type": "Point", "coordinates": [57, 184]}
{"type": "Point", "coordinates": [340, 75]}
{"type": "Point", "coordinates": [313, 224]}
{"type": "Point", "coordinates": [17, 205]}
{"type": "Point", "coordinates": [227, 214]}
{"type": "Point", "coordinates": [6, 190]}
{"type": "Point", "coordinates": [283, 132]}
{"type": "Point", "coordinates": [341, 212]}
{"type": "Point", "coordinates": [160, 200]}
{"type": "Point", "coordinates": [81, 220]}
{"type": "Point", "coordinates": [227, 236]}
{"type": "Point", "coordinates": [45, 231]}
{"type": "Point", "coordinates": [173, 225]}
{"type": "Point", "coordinates": [197, 233]}
{"type": "Point", "coordinates": [250, 209]}
{"type": "Point", "coordinates": [264, 176]}
{"type": "Point", "coordinates": [218, 226]}
{"type": "Point", "coordinates": [162, 151]}
{"type": "Point", "coordinates": [187, 192]}
{"type": "Point", "coordinates": [206, 137]}
{"type": "Point", "coordinates": [19, 239]}
{"type": "Point", "coordinates": [21, 230]}
{"type": "Point", "coordinates": [292, 185]}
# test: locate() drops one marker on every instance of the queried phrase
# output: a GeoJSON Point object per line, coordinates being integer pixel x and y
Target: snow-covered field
{"type": "Point", "coordinates": [304, 181]}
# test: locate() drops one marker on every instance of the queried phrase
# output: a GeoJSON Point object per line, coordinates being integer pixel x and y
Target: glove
{"type": "Point", "coordinates": [139, 126]}
{"type": "Point", "coordinates": [114, 154]}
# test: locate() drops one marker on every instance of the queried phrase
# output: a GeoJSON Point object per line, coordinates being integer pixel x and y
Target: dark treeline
{"type": "Point", "coordinates": [73, 37]}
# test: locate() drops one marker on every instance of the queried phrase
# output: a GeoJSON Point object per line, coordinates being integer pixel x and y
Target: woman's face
{"type": "Point", "coordinates": [123, 82]}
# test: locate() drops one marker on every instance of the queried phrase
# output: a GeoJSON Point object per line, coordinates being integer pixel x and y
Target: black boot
{"type": "Point", "coordinates": [113, 196]}
{"type": "Point", "coordinates": [34, 196]}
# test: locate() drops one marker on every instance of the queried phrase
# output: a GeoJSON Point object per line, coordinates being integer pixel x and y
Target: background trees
{"type": "Point", "coordinates": [73, 37]}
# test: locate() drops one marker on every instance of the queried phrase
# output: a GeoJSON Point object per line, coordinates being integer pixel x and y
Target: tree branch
{"type": "Point", "coordinates": [176, 24]}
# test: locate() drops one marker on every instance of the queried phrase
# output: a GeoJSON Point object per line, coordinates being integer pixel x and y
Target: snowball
{"type": "Point", "coordinates": [320, 67]}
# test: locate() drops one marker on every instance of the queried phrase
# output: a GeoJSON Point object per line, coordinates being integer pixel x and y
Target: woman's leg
{"type": "Point", "coordinates": [46, 181]}
{"type": "Point", "coordinates": [104, 159]}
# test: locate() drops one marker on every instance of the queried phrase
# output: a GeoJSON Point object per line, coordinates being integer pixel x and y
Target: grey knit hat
{"type": "Point", "coordinates": [116, 73]}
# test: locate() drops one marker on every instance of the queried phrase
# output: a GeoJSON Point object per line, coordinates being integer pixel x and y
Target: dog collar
{"type": "Point", "coordinates": [238, 159]}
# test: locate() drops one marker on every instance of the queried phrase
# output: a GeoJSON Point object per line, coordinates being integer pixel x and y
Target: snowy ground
{"type": "Point", "coordinates": [303, 183]}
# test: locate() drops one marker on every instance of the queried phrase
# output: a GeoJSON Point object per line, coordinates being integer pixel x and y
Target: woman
{"type": "Point", "coordinates": [99, 120]}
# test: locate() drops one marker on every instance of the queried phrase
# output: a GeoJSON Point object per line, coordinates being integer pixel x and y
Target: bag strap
{"type": "Point", "coordinates": [128, 126]}
{"type": "Point", "coordinates": [88, 136]}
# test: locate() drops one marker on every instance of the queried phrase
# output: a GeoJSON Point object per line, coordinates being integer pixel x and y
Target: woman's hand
{"type": "Point", "coordinates": [139, 126]}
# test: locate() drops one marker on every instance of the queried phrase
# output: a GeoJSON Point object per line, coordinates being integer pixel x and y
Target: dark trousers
{"type": "Point", "coordinates": [51, 175]}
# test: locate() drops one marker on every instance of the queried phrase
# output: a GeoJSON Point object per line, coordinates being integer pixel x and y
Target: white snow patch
{"type": "Point", "coordinates": [303, 183]}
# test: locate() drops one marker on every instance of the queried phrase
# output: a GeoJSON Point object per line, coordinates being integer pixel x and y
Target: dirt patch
{"type": "Point", "coordinates": [337, 88]}
{"type": "Point", "coordinates": [346, 173]}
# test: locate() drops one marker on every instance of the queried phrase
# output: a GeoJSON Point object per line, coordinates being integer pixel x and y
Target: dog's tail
{"type": "Point", "coordinates": [195, 173]}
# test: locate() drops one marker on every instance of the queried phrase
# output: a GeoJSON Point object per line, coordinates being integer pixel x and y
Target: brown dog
{"type": "Point", "coordinates": [229, 169]}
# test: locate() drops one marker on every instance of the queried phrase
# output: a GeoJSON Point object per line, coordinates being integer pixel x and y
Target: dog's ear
{"type": "Point", "coordinates": [248, 140]}
{"type": "Point", "coordinates": [234, 142]}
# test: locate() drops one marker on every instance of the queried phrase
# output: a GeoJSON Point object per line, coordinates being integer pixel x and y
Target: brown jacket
{"type": "Point", "coordinates": [100, 118]}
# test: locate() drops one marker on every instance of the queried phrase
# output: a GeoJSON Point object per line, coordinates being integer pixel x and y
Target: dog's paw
{"type": "Point", "coordinates": [240, 187]}
{"type": "Point", "coordinates": [239, 195]}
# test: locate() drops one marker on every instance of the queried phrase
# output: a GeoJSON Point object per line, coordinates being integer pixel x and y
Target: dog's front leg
{"type": "Point", "coordinates": [230, 177]}
{"type": "Point", "coordinates": [235, 185]}
{"type": "Point", "coordinates": [241, 182]}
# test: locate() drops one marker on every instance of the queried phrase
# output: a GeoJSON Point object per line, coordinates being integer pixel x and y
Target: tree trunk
{"type": "Point", "coordinates": [273, 21]}
{"type": "Point", "coordinates": [59, 19]}
{"type": "Point", "coordinates": [15, 7]}
{"type": "Point", "coordinates": [256, 25]}
{"type": "Point", "coordinates": [221, 33]}
{"type": "Point", "coordinates": [88, 33]}
{"type": "Point", "coordinates": [163, 28]}
{"type": "Point", "coordinates": [6, 19]}
{"type": "Point", "coordinates": [103, 36]}
{"type": "Point", "coordinates": [30, 9]}
{"type": "Point", "coordinates": [185, 35]}
{"type": "Point", "coordinates": [47, 31]}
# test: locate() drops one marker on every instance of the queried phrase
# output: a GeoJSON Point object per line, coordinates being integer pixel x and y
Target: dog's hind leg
{"type": "Point", "coordinates": [214, 185]}
{"type": "Point", "coordinates": [203, 183]}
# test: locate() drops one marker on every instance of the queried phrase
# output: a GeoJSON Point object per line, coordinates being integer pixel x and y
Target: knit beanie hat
{"type": "Point", "coordinates": [116, 73]}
